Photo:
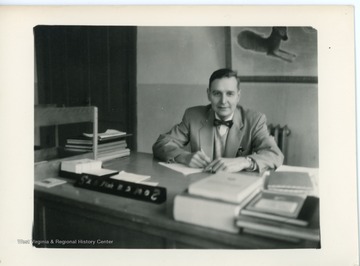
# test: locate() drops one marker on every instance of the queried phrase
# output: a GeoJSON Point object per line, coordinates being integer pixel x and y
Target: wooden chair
{"type": "Point", "coordinates": [54, 116]}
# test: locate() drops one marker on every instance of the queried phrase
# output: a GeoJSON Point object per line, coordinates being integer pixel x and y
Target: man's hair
{"type": "Point", "coordinates": [224, 73]}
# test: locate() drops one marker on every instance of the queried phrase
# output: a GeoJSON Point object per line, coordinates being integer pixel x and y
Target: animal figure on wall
{"type": "Point", "coordinates": [270, 45]}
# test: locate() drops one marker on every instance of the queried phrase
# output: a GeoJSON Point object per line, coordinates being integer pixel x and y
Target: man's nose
{"type": "Point", "coordinates": [223, 98]}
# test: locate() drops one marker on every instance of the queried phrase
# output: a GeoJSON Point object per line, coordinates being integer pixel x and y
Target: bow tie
{"type": "Point", "coordinates": [218, 122]}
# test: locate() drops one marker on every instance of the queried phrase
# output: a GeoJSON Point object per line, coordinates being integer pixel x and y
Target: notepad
{"type": "Point", "coordinates": [130, 177]}
{"type": "Point", "coordinates": [185, 170]}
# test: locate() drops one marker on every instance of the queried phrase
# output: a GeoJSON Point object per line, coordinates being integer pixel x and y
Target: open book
{"type": "Point", "coordinates": [108, 134]}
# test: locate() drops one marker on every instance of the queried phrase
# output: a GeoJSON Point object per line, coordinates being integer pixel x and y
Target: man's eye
{"type": "Point", "coordinates": [230, 94]}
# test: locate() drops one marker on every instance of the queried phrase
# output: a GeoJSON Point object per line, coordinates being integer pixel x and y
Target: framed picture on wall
{"type": "Point", "coordinates": [274, 54]}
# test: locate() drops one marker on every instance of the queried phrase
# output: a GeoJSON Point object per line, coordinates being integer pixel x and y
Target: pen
{"type": "Point", "coordinates": [206, 170]}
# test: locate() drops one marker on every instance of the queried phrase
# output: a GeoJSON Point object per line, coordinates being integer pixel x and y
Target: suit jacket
{"type": "Point", "coordinates": [247, 137]}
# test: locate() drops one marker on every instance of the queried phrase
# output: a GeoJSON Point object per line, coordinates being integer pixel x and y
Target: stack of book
{"type": "Point", "coordinates": [284, 209]}
{"type": "Point", "coordinates": [111, 144]}
{"type": "Point", "coordinates": [215, 200]}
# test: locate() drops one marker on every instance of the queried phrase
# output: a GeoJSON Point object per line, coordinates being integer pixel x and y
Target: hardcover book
{"type": "Point", "coordinates": [287, 208]}
{"type": "Point", "coordinates": [293, 182]}
{"type": "Point", "coordinates": [206, 212]}
{"type": "Point", "coordinates": [282, 204]}
{"type": "Point", "coordinates": [310, 232]}
{"type": "Point", "coordinates": [231, 187]}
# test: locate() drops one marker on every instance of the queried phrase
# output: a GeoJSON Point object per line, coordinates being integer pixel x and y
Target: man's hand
{"type": "Point", "coordinates": [228, 164]}
{"type": "Point", "coordinates": [195, 160]}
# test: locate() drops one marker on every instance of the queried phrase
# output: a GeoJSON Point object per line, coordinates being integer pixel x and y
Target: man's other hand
{"type": "Point", "coordinates": [228, 165]}
{"type": "Point", "coordinates": [195, 160]}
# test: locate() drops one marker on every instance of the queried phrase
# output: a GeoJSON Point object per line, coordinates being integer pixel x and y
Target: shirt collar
{"type": "Point", "coordinates": [230, 118]}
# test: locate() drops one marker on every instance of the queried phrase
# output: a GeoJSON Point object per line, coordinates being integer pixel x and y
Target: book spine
{"type": "Point", "coordinates": [89, 144]}
{"type": "Point", "coordinates": [273, 217]}
{"type": "Point", "coordinates": [107, 157]}
{"type": "Point", "coordinates": [279, 229]}
{"type": "Point", "coordinates": [114, 148]}
{"type": "Point", "coordinates": [87, 141]}
{"type": "Point", "coordinates": [205, 212]}
{"type": "Point", "coordinates": [76, 150]}
{"type": "Point", "coordinates": [77, 175]}
{"type": "Point", "coordinates": [270, 235]}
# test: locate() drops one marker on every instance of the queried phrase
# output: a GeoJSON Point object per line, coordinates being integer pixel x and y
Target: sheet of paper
{"type": "Point", "coordinates": [125, 176]}
{"type": "Point", "coordinates": [181, 168]}
{"type": "Point", "coordinates": [148, 183]}
{"type": "Point", "coordinates": [106, 134]}
{"type": "Point", "coordinates": [50, 182]}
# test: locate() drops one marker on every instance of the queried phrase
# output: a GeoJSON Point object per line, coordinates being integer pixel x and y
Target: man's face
{"type": "Point", "coordinates": [224, 96]}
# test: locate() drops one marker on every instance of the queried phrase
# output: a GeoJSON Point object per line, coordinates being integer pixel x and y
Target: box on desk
{"type": "Point", "coordinates": [89, 174]}
{"type": "Point", "coordinates": [74, 168]}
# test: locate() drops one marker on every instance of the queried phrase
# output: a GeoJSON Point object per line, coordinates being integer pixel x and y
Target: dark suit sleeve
{"type": "Point", "coordinates": [171, 144]}
{"type": "Point", "coordinates": [265, 151]}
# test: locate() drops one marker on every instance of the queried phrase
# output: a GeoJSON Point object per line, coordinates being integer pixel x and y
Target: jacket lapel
{"type": "Point", "coordinates": [206, 134]}
{"type": "Point", "coordinates": [234, 135]}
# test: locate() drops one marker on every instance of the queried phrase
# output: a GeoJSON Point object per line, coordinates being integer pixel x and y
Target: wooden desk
{"type": "Point", "coordinates": [70, 213]}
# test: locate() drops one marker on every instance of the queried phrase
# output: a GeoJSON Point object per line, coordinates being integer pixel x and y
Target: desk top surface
{"type": "Point", "coordinates": [149, 214]}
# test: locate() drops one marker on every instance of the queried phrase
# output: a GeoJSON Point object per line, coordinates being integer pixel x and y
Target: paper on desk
{"type": "Point", "coordinates": [50, 182]}
{"type": "Point", "coordinates": [185, 170]}
{"type": "Point", "coordinates": [125, 176]}
{"type": "Point", "coordinates": [148, 183]}
{"type": "Point", "coordinates": [100, 172]}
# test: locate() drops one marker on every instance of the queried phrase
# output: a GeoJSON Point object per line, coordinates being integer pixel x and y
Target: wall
{"type": "Point", "coordinates": [294, 105]}
{"type": "Point", "coordinates": [173, 67]}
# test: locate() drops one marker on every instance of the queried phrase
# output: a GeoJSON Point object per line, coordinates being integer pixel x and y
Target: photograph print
{"type": "Point", "coordinates": [174, 137]}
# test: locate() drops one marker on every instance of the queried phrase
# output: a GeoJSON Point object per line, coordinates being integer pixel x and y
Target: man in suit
{"type": "Point", "coordinates": [221, 136]}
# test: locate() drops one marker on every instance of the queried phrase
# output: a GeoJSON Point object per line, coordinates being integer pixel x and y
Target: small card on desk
{"type": "Point", "coordinates": [50, 182]}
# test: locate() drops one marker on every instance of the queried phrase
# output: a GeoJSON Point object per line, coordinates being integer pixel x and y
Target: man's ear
{"type": "Point", "coordinates": [239, 95]}
{"type": "Point", "coordinates": [208, 93]}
